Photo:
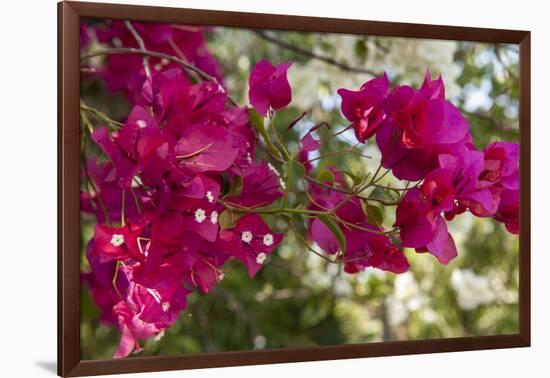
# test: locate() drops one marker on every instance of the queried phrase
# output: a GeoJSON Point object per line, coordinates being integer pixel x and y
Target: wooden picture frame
{"type": "Point", "coordinates": [69, 361]}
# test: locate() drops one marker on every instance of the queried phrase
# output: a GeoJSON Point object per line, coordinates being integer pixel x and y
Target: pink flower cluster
{"type": "Point", "coordinates": [157, 201]}
{"type": "Point", "coordinates": [125, 72]}
{"type": "Point", "coordinates": [423, 137]}
{"type": "Point", "coordinates": [366, 243]}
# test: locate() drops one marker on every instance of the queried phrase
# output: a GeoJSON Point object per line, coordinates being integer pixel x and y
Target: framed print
{"type": "Point", "coordinates": [239, 188]}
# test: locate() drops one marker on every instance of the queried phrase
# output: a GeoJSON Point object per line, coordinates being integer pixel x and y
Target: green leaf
{"type": "Point", "coordinates": [374, 214]}
{"type": "Point", "coordinates": [226, 184]}
{"type": "Point", "coordinates": [236, 187]}
{"type": "Point", "coordinates": [361, 49]}
{"type": "Point", "coordinates": [227, 219]}
{"type": "Point", "coordinates": [326, 176]}
{"type": "Point", "coordinates": [335, 229]}
{"type": "Point", "coordinates": [379, 193]}
{"type": "Point", "coordinates": [257, 121]}
{"type": "Point", "coordinates": [356, 180]}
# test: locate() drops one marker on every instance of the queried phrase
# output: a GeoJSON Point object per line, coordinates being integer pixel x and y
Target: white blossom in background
{"type": "Point", "coordinates": [317, 82]}
{"type": "Point", "coordinates": [471, 289]}
{"type": "Point", "coordinates": [406, 297]}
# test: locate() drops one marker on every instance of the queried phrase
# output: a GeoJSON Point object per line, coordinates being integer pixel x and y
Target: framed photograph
{"type": "Point", "coordinates": [239, 188]}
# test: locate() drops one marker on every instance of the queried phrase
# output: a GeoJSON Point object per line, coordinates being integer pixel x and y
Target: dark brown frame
{"type": "Point", "coordinates": [69, 362]}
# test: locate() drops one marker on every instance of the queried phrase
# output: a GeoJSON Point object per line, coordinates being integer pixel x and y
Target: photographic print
{"type": "Point", "coordinates": [259, 189]}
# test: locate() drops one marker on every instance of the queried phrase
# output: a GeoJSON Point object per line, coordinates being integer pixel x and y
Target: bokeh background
{"type": "Point", "coordinates": [298, 299]}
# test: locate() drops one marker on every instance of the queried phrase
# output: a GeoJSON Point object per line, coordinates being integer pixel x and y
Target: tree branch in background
{"type": "Point", "coordinates": [298, 50]}
{"type": "Point", "coordinates": [486, 116]}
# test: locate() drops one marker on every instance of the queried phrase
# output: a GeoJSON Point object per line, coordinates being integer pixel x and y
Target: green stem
{"type": "Point", "coordinates": [100, 116]}
{"type": "Point", "coordinates": [304, 242]}
{"type": "Point", "coordinates": [271, 125]}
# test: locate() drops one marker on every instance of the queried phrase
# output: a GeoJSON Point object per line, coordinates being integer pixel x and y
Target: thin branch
{"type": "Point", "coordinates": [486, 116]}
{"type": "Point", "coordinates": [344, 191]}
{"type": "Point", "coordinates": [313, 55]}
{"type": "Point", "coordinates": [185, 65]}
{"type": "Point", "coordinates": [141, 45]}
{"type": "Point", "coordinates": [99, 115]}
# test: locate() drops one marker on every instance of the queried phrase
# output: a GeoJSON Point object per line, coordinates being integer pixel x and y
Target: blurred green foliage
{"type": "Point", "coordinates": [300, 300]}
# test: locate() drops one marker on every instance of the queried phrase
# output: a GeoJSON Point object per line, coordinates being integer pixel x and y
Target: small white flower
{"type": "Point", "coordinates": [214, 217]}
{"type": "Point", "coordinates": [261, 258]}
{"type": "Point", "coordinates": [117, 240]}
{"type": "Point", "coordinates": [248, 157]}
{"type": "Point", "coordinates": [282, 183]}
{"type": "Point", "coordinates": [268, 240]}
{"type": "Point", "coordinates": [221, 276]}
{"type": "Point", "coordinates": [210, 196]}
{"type": "Point", "coordinates": [200, 215]}
{"type": "Point", "coordinates": [141, 123]}
{"type": "Point", "coordinates": [246, 237]}
{"type": "Point", "coordinates": [165, 306]}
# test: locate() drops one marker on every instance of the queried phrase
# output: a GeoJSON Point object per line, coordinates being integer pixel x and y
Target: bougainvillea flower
{"type": "Point", "coordinates": [364, 108]}
{"type": "Point", "coordinates": [412, 164]}
{"type": "Point", "coordinates": [424, 116]}
{"type": "Point", "coordinates": [200, 190]}
{"type": "Point", "coordinates": [133, 329]}
{"type": "Point", "coordinates": [366, 247]}
{"type": "Point", "coordinates": [419, 210]}
{"type": "Point", "coordinates": [349, 210]}
{"type": "Point", "coordinates": [118, 243]}
{"type": "Point", "coordinates": [427, 235]}
{"type": "Point", "coordinates": [162, 91]}
{"type": "Point", "coordinates": [105, 201]}
{"type": "Point", "coordinates": [442, 246]}
{"type": "Point", "coordinates": [371, 249]}
{"type": "Point", "coordinates": [433, 88]}
{"type": "Point", "coordinates": [250, 241]}
{"type": "Point", "coordinates": [501, 165]}
{"type": "Point", "coordinates": [437, 192]}
{"type": "Point", "coordinates": [466, 167]}
{"type": "Point", "coordinates": [419, 125]}
{"type": "Point", "coordinates": [126, 169]}
{"type": "Point", "coordinates": [415, 227]}
{"type": "Point", "coordinates": [261, 185]}
{"type": "Point", "coordinates": [323, 237]}
{"type": "Point", "coordinates": [269, 87]}
{"type": "Point", "coordinates": [203, 270]}
{"type": "Point", "coordinates": [198, 104]}
{"type": "Point", "coordinates": [204, 150]}
{"type": "Point", "coordinates": [156, 295]}
{"type": "Point", "coordinates": [419, 219]}
{"type": "Point", "coordinates": [202, 219]}
{"type": "Point", "coordinates": [242, 134]}
{"type": "Point", "coordinates": [508, 210]}
{"type": "Point", "coordinates": [100, 281]}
